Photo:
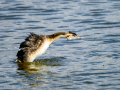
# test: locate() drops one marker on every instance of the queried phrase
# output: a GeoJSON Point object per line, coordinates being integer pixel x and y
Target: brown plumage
{"type": "Point", "coordinates": [35, 45]}
{"type": "Point", "coordinates": [31, 43]}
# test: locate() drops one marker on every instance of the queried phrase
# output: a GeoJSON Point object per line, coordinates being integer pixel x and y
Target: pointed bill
{"type": "Point", "coordinates": [80, 37]}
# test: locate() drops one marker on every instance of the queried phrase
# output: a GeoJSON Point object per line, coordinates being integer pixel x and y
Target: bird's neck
{"type": "Point", "coordinates": [55, 36]}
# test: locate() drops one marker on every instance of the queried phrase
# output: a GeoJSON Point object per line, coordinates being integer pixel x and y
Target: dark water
{"type": "Point", "coordinates": [92, 63]}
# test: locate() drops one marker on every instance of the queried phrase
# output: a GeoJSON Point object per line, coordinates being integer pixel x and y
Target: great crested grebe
{"type": "Point", "coordinates": [36, 45]}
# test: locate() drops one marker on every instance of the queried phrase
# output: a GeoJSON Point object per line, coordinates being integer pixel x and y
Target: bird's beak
{"type": "Point", "coordinates": [80, 37]}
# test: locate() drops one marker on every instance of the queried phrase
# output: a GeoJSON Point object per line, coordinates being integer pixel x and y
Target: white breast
{"type": "Point", "coordinates": [40, 51]}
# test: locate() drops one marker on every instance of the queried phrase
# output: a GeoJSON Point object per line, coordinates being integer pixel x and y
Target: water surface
{"type": "Point", "coordinates": [92, 63]}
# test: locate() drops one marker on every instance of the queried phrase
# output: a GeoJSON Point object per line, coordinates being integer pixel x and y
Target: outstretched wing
{"type": "Point", "coordinates": [31, 43]}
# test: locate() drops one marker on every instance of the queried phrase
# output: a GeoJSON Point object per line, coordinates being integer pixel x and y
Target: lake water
{"type": "Point", "coordinates": [91, 63]}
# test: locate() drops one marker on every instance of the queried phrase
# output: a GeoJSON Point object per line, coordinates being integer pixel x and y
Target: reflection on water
{"type": "Point", "coordinates": [31, 67]}
{"type": "Point", "coordinates": [37, 73]}
{"type": "Point", "coordinates": [39, 65]}
{"type": "Point", "coordinates": [29, 71]}
{"type": "Point", "coordinates": [91, 63]}
{"type": "Point", "coordinates": [33, 73]}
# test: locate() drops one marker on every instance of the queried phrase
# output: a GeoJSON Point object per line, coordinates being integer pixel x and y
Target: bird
{"type": "Point", "coordinates": [35, 45]}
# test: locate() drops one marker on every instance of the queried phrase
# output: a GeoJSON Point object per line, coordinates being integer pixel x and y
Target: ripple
{"type": "Point", "coordinates": [20, 8]}
{"type": "Point", "coordinates": [51, 10]}
{"type": "Point", "coordinates": [88, 82]}
{"type": "Point", "coordinates": [111, 41]}
{"type": "Point", "coordinates": [11, 17]}
{"type": "Point", "coordinates": [32, 21]}
{"type": "Point", "coordinates": [31, 27]}
{"type": "Point", "coordinates": [55, 61]}
{"type": "Point", "coordinates": [113, 35]}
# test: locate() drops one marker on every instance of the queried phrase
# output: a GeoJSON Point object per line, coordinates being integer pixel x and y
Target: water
{"type": "Point", "coordinates": [92, 63]}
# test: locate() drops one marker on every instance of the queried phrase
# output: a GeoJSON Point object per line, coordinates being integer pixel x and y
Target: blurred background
{"type": "Point", "coordinates": [91, 63]}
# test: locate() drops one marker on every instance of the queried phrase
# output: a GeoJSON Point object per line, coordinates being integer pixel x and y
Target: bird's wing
{"type": "Point", "coordinates": [31, 43]}
{"type": "Point", "coordinates": [33, 40]}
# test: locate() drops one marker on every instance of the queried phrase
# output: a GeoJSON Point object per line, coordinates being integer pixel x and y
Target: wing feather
{"type": "Point", "coordinates": [31, 43]}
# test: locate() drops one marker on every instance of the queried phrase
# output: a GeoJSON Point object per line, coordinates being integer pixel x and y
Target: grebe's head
{"type": "Point", "coordinates": [71, 35]}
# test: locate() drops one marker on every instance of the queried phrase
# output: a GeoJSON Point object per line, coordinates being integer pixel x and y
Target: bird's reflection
{"type": "Point", "coordinates": [40, 65]}
{"type": "Point", "coordinates": [35, 67]}
{"type": "Point", "coordinates": [36, 72]}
